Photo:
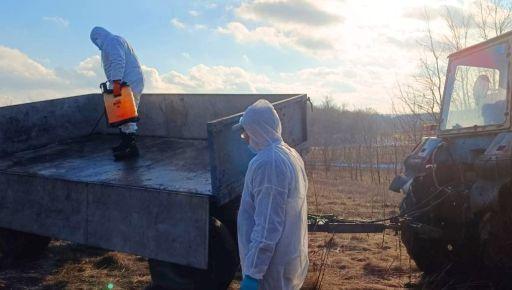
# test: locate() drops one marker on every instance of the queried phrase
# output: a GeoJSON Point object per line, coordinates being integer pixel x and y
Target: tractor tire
{"type": "Point", "coordinates": [222, 266]}
{"type": "Point", "coordinates": [431, 256]}
{"type": "Point", "coordinates": [18, 246]}
{"type": "Point", "coordinates": [496, 235]}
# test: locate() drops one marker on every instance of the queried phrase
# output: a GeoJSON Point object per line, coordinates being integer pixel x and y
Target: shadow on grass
{"type": "Point", "coordinates": [32, 274]}
{"type": "Point", "coordinates": [470, 279]}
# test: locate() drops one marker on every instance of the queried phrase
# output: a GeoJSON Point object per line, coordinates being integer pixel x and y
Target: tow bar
{"type": "Point", "coordinates": [329, 223]}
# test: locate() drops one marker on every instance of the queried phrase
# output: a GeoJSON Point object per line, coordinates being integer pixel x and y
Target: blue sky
{"type": "Point", "coordinates": [352, 51]}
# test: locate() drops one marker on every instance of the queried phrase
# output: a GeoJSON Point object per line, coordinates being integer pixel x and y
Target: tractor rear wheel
{"type": "Point", "coordinates": [430, 255]}
{"type": "Point", "coordinates": [496, 234]}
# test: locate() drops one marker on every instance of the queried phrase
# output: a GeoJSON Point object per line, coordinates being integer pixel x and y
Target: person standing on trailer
{"type": "Point", "coordinates": [121, 67]}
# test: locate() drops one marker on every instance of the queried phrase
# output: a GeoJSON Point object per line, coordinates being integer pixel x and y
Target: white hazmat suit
{"type": "Point", "coordinates": [119, 63]}
{"type": "Point", "coordinates": [272, 220]}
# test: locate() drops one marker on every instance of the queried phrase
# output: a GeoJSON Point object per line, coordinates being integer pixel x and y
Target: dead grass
{"type": "Point", "coordinates": [354, 261]}
{"type": "Point", "coordinates": [69, 266]}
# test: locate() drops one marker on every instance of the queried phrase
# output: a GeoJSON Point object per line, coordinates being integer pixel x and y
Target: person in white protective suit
{"type": "Point", "coordinates": [272, 219]}
{"type": "Point", "coordinates": [120, 65]}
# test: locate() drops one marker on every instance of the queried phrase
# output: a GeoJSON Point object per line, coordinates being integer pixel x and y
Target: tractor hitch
{"type": "Point", "coordinates": [329, 223]}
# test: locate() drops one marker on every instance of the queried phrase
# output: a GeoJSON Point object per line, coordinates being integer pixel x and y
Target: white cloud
{"type": "Point", "coordinates": [299, 39]}
{"type": "Point", "coordinates": [193, 13]}
{"type": "Point", "coordinates": [90, 67]}
{"type": "Point", "coordinates": [341, 84]}
{"type": "Point", "coordinates": [363, 46]}
{"type": "Point", "coordinates": [200, 26]}
{"type": "Point", "coordinates": [308, 26]}
{"type": "Point", "coordinates": [267, 35]}
{"type": "Point", "coordinates": [218, 79]}
{"type": "Point", "coordinates": [57, 20]}
{"type": "Point", "coordinates": [21, 75]}
{"type": "Point", "coordinates": [23, 79]}
{"type": "Point", "coordinates": [357, 57]}
{"type": "Point", "coordinates": [17, 64]}
{"type": "Point", "coordinates": [28, 80]}
{"type": "Point", "coordinates": [154, 82]}
{"type": "Point", "coordinates": [302, 12]}
{"type": "Point", "coordinates": [177, 23]}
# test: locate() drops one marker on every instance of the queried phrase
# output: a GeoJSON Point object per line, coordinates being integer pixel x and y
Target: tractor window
{"type": "Point", "coordinates": [478, 90]}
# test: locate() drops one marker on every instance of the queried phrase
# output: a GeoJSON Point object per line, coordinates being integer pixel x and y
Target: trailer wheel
{"type": "Point", "coordinates": [222, 265]}
{"type": "Point", "coordinates": [16, 246]}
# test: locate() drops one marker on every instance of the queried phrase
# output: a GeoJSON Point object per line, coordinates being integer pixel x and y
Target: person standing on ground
{"type": "Point", "coordinates": [121, 66]}
{"type": "Point", "coordinates": [272, 219]}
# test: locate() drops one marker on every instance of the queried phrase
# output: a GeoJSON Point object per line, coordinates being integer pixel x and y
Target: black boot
{"type": "Point", "coordinates": [127, 149]}
{"type": "Point", "coordinates": [126, 139]}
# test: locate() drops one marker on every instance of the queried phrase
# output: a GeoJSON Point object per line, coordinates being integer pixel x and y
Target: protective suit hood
{"type": "Point", "coordinates": [261, 122]}
{"type": "Point", "coordinates": [99, 35]}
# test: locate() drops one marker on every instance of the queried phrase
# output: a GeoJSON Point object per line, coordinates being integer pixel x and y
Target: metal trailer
{"type": "Point", "coordinates": [176, 204]}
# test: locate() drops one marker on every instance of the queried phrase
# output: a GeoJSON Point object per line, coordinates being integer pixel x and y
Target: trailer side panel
{"type": "Point", "coordinates": [229, 154]}
{"type": "Point", "coordinates": [156, 224]}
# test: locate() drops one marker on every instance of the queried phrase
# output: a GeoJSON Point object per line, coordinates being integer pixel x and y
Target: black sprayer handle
{"type": "Point", "coordinates": [104, 88]}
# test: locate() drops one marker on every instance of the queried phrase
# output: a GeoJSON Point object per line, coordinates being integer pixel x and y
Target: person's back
{"type": "Point", "coordinates": [494, 113]}
{"type": "Point", "coordinates": [289, 252]}
{"type": "Point", "coordinates": [132, 73]}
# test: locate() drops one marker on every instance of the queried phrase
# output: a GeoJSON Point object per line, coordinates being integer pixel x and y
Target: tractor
{"type": "Point", "coordinates": [457, 183]}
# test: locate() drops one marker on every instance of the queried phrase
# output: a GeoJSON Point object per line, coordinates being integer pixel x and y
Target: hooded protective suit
{"type": "Point", "coordinates": [272, 220]}
{"type": "Point", "coordinates": [118, 59]}
{"type": "Point", "coordinates": [119, 63]}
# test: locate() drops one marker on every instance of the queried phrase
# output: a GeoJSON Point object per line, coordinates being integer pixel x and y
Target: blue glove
{"type": "Point", "coordinates": [249, 283]}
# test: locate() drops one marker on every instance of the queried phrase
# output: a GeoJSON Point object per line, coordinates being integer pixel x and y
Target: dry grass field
{"type": "Point", "coordinates": [337, 261]}
{"type": "Point", "coordinates": [356, 261]}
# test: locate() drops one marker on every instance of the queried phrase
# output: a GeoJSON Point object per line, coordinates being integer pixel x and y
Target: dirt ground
{"type": "Point", "coordinates": [337, 261]}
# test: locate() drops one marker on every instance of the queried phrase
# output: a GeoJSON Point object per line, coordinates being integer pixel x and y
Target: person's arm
{"type": "Point", "coordinates": [116, 51]}
{"type": "Point", "coordinates": [270, 195]}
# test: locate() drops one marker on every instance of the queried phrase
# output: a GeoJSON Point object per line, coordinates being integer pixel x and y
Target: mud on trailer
{"type": "Point", "coordinates": [176, 204]}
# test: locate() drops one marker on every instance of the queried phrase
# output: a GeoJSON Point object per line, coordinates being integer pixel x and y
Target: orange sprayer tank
{"type": "Point", "coordinates": [120, 109]}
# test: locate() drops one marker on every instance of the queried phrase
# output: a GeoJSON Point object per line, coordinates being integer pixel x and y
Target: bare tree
{"type": "Point", "coordinates": [423, 96]}
{"type": "Point", "coordinates": [407, 120]}
{"type": "Point", "coordinates": [459, 24]}
{"type": "Point", "coordinates": [493, 18]}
